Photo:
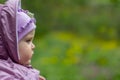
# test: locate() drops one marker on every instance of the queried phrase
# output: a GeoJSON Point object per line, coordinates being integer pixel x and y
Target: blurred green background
{"type": "Point", "coordinates": [76, 39]}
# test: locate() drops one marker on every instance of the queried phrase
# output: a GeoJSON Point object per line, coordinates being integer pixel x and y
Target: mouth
{"type": "Point", "coordinates": [32, 52]}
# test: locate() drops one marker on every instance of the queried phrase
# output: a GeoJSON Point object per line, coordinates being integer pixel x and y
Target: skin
{"type": "Point", "coordinates": [41, 78]}
{"type": "Point", "coordinates": [26, 50]}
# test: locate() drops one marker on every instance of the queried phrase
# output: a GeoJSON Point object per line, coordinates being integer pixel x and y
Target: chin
{"type": "Point", "coordinates": [28, 62]}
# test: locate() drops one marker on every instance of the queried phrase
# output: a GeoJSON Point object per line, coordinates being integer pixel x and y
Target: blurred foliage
{"type": "Point", "coordinates": [76, 39]}
{"type": "Point", "coordinates": [65, 56]}
{"type": "Point", "coordinates": [1, 1]}
{"type": "Point", "coordinates": [96, 18]}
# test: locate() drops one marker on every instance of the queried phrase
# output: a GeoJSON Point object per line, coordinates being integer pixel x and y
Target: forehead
{"type": "Point", "coordinates": [30, 34]}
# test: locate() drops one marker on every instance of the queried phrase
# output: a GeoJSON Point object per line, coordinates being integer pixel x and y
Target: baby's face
{"type": "Point", "coordinates": [26, 48]}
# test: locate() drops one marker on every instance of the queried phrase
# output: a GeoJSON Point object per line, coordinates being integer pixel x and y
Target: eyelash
{"type": "Point", "coordinates": [29, 40]}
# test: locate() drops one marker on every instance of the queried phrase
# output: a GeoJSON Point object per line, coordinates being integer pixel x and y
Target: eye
{"type": "Point", "coordinates": [29, 40]}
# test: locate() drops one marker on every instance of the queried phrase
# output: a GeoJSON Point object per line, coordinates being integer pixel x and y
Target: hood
{"type": "Point", "coordinates": [8, 32]}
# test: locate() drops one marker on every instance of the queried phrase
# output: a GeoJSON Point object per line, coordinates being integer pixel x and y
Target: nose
{"type": "Point", "coordinates": [33, 46]}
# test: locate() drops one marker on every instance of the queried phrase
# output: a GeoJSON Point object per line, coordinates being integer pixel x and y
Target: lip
{"type": "Point", "coordinates": [32, 52]}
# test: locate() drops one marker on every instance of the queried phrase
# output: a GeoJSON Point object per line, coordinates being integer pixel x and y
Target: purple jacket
{"type": "Point", "coordinates": [9, 58]}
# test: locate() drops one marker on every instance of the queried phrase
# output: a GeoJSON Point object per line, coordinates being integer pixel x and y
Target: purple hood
{"type": "Point", "coordinates": [8, 31]}
{"type": "Point", "coordinates": [9, 58]}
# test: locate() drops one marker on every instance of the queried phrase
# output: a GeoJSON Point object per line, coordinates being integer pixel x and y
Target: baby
{"type": "Point", "coordinates": [17, 30]}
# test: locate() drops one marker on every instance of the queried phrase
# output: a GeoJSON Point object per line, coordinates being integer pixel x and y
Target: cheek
{"type": "Point", "coordinates": [24, 51]}
{"type": "Point", "coordinates": [25, 55]}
